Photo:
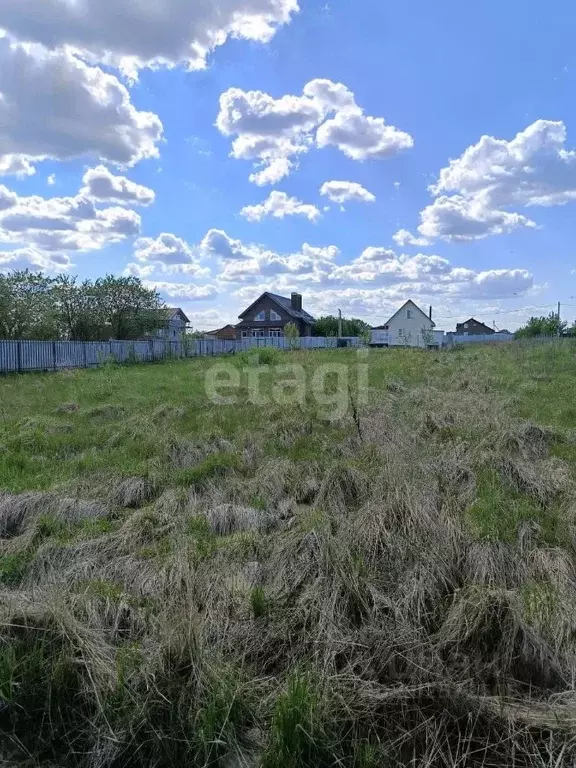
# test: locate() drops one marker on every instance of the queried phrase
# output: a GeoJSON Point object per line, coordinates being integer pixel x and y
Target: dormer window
{"type": "Point", "coordinates": [260, 317]}
{"type": "Point", "coordinates": [409, 314]}
{"type": "Point", "coordinates": [274, 316]}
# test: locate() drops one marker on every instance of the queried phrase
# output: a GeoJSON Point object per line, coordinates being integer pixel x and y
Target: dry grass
{"type": "Point", "coordinates": [404, 597]}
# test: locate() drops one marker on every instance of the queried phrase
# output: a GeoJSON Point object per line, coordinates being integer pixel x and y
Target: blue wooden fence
{"type": "Point", "coordinates": [16, 356]}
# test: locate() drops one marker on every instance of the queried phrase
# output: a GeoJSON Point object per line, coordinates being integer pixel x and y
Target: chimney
{"type": "Point", "coordinates": [430, 313]}
{"type": "Point", "coordinates": [296, 301]}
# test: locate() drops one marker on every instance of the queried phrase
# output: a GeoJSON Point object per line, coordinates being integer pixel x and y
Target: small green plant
{"type": "Point", "coordinates": [215, 465]}
{"type": "Point", "coordinates": [258, 602]}
{"type": "Point", "coordinates": [298, 735]}
{"type": "Point", "coordinates": [291, 334]}
{"type": "Point", "coordinates": [13, 567]}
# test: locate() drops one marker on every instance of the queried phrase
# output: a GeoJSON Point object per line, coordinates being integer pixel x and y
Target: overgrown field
{"type": "Point", "coordinates": [184, 583]}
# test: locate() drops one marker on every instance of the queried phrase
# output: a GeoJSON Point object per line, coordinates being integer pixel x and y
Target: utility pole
{"type": "Point", "coordinates": [558, 330]}
{"type": "Point", "coordinates": [340, 323]}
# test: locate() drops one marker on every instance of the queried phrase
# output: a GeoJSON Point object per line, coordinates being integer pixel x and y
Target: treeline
{"type": "Point", "coordinates": [328, 326]}
{"type": "Point", "coordinates": [34, 306]}
{"type": "Point", "coordinates": [548, 325]}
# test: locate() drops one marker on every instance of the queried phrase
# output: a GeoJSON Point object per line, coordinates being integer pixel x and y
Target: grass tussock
{"type": "Point", "coordinates": [225, 587]}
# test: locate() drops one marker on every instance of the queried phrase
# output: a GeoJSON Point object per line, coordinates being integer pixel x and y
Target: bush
{"type": "Point", "coordinates": [259, 356]}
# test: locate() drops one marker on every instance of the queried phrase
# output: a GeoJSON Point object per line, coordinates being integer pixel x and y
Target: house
{"type": "Point", "coordinates": [270, 314]}
{"type": "Point", "coordinates": [408, 327]}
{"type": "Point", "coordinates": [226, 333]}
{"type": "Point", "coordinates": [473, 327]}
{"type": "Point", "coordinates": [174, 324]}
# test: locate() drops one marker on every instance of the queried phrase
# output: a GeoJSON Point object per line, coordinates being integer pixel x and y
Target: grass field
{"type": "Point", "coordinates": [184, 582]}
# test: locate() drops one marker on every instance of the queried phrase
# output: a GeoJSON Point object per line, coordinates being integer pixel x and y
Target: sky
{"type": "Point", "coordinates": [360, 152]}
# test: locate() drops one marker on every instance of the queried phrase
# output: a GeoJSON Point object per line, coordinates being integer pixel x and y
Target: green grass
{"type": "Point", "coordinates": [289, 585]}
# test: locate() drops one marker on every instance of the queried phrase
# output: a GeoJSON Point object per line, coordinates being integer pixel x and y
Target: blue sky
{"type": "Point", "coordinates": [190, 143]}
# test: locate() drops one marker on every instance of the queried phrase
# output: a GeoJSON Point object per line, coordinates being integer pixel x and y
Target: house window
{"type": "Point", "coordinates": [244, 334]}
{"type": "Point", "coordinates": [274, 316]}
{"type": "Point", "coordinates": [174, 334]}
{"type": "Point", "coordinates": [409, 314]}
{"type": "Point", "coordinates": [276, 332]}
{"type": "Point", "coordinates": [466, 325]}
{"type": "Point", "coordinates": [258, 333]}
{"type": "Point", "coordinates": [400, 331]}
{"type": "Point", "coordinates": [260, 317]}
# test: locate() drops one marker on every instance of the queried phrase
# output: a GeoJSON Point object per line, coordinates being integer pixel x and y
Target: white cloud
{"type": "Point", "coordinates": [361, 137]}
{"type": "Point", "coordinates": [16, 165]}
{"type": "Point", "coordinates": [101, 185]}
{"type": "Point", "coordinates": [62, 223]}
{"type": "Point", "coordinates": [186, 291]}
{"type": "Point", "coordinates": [54, 105]}
{"type": "Point", "coordinates": [279, 205]}
{"type": "Point", "coordinates": [403, 238]}
{"type": "Point", "coordinates": [476, 194]}
{"type": "Point", "coordinates": [29, 258]}
{"type": "Point", "coordinates": [343, 191]}
{"type": "Point", "coordinates": [51, 180]}
{"type": "Point", "coordinates": [217, 244]}
{"type": "Point", "coordinates": [376, 269]}
{"type": "Point", "coordinates": [165, 253]}
{"type": "Point", "coordinates": [145, 32]}
{"type": "Point", "coordinates": [275, 132]}
{"type": "Point", "coordinates": [460, 218]}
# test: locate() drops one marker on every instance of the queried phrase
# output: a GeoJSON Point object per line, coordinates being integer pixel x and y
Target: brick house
{"type": "Point", "coordinates": [270, 314]}
{"type": "Point", "coordinates": [473, 327]}
{"type": "Point", "coordinates": [227, 333]}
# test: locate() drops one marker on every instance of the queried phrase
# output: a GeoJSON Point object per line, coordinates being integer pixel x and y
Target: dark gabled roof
{"type": "Point", "coordinates": [167, 313]}
{"type": "Point", "coordinates": [286, 304]}
{"type": "Point", "coordinates": [478, 322]}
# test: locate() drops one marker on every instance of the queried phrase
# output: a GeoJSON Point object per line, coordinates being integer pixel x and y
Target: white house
{"type": "Point", "coordinates": [174, 324]}
{"type": "Point", "coordinates": [408, 327]}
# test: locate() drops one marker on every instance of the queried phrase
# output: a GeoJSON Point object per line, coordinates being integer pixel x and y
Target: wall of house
{"type": "Point", "coordinates": [473, 328]}
{"type": "Point", "coordinates": [174, 330]}
{"type": "Point", "coordinates": [407, 331]}
{"type": "Point", "coordinates": [267, 305]}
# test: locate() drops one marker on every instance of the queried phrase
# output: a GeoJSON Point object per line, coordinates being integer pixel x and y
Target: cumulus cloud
{"type": "Point", "coordinates": [16, 165]}
{"type": "Point", "coordinates": [477, 193]}
{"type": "Point", "coordinates": [165, 253]}
{"type": "Point", "coordinates": [403, 238]}
{"type": "Point", "coordinates": [460, 218]}
{"type": "Point", "coordinates": [145, 33]}
{"type": "Point", "coordinates": [361, 137]}
{"type": "Point", "coordinates": [54, 105]}
{"type": "Point", "coordinates": [103, 186]}
{"type": "Point", "coordinates": [279, 205]}
{"type": "Point", "coordinates": [62, 223]}
{"type": "Point", "coordinates": [273, 133]}
{"type": "Point", "coordinates": [29, 258]}
{"type": "Point", "coordinates": [376, 268]}
{"type": "Point", "coordinates": [217, 244]}
{"type": "Point", "coordinates": [186, 291]}
{"type": "Point", "coordinates": [344, 191]}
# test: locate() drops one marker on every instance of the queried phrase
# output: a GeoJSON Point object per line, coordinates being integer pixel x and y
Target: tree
{"type": "Point", "coordinates": [541, 326]}
{"type": "Point", "coordinates": [291, 333]}
{"type": "Point", "coordinates": [127, 308]}
{"type": "Point", "coordinates": [34, 306]}
{"type": "Point", "coordinates": [328, 326]}
{"type": "Point", "coordinates": [26, 307]}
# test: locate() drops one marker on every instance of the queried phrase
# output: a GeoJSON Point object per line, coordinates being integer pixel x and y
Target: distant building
{"type": "Point", "coordinates": [408, 327]}
{"type": "Point", "coordinates": [473, 327]}
{"type": "Point", "coordinates": [174, 324]}
{"type": "Point", "coordinates": [226, 333]}
{"type": "Point", "coordinates": [270, 314]}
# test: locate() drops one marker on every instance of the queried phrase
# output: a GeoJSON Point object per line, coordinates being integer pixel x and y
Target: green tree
{"type": "Point", "coordinates": [26, 307]}
{"type": "Point", "coordinates": [128, 309]}
{"type": "Point", "coordinates": [328, 326]}
{"type": "Point", "coordinates": [291, 333]}
{"type": "Point", "coordinates": [541, 326]}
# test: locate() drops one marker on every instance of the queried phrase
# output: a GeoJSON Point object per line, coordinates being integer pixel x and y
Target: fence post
{"type": "Point", "coordinates": [19, 355]}
{"type": "Point", "coordinates": [54, 355]}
